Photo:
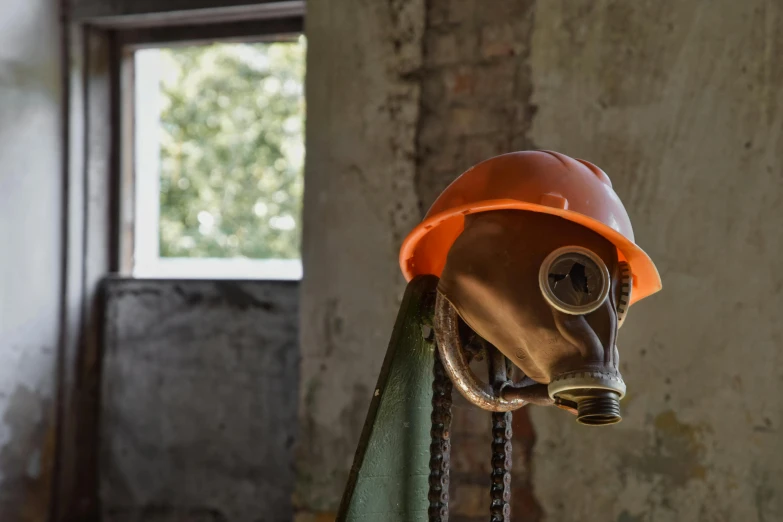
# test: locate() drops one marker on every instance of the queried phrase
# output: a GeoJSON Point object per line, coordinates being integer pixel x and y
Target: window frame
{"type": "Point", "coordinates": [142, 260]}
{"type": "Point", "coordinates": [96, 36]}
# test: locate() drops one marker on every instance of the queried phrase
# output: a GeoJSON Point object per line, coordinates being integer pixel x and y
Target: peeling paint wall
{"type": "Point", "coordinates": [30, 253]}
{"type": "Point", "coordinates": [680, 103]}
{"type": "Point", "coordinates": [198, 406]}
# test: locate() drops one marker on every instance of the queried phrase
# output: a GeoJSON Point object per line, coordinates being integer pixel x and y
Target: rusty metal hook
{"type": "Point", "coordinates": [456, 363]}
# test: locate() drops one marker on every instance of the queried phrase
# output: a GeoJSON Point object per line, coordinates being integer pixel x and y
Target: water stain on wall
{"type": "Point", "coordinates": [676, 455]}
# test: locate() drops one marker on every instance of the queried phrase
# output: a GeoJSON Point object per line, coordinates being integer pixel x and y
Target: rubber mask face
{"type": "Point", "coordinates": [543, 290]}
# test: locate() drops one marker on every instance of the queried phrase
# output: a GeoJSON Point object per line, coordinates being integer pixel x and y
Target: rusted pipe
{"type": "Point", "coordinates": [456, 364]}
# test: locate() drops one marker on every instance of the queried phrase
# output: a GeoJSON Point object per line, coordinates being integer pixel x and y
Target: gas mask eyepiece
{"type": "Point", "coordinates": [574, 280]}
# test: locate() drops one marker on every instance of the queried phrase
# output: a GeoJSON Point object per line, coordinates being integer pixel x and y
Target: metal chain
{"type": "Point", "coordinates": [500, 484]}
{"type": "Point", "coordinates": [440, 445]}
{"type": "Point", "coordinates": [500, 488]}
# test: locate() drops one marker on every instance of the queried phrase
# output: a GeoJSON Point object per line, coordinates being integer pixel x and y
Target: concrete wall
{"type": "Point", "coordinates": [30, 253]}
{"type": "Point", "coordinates": [680, 103]}
{"type": "Point", "coordinates": [198, 404]}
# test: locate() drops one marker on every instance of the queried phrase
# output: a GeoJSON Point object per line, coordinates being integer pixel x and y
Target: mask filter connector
{"type": "Point", "coordinates": [594, 395]}
{"type": "Point", "coordinates": [599, 410]}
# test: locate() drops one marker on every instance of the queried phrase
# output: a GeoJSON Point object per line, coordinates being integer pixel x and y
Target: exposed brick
{"type": "Point", "coordinates": [475, 100]}
{"type": "Point", "coordinates": [500, 40]}
{"type": "Point", "coordinates": [465, 10]}
{"type": "Point", "coordinates": [468, 47]}
{"type": "Point", "coordinates": [442, 49]}
{"type": "Point", "coordinates": [470, 420]}
{"type": "Point", "coordinates": [460, 82]}
{"type": "Point", "coordinates": [433, 90]}
{"type": "Point", "coordinates": [303, 516]}
{"type": "Point", "coordinates": [479, 148]}
{"type": "Point", "coordinates": [502, 11]}
{"type": "Point", "coordinates": [496, 81]}
{"type": "Point", "coordinates": [523, 428]}
{"type": "Point", "coordinates": [444, 158]}
{"type": "Point", "coordinates": [450, 12]}
{"type": "Point", "coordinates": [524, 505]}
{"type": "Point", "coordinates": [471, 121]}
{"type": "Point", "coordinates": [437, 14]}
{"type": "Point", "coordinates": [432, 136]}
{"type": "Point", "coordinates": [524, 439]}
{"type": "Point", "coordinates": [470, 500]}
{"type": "Point", "coordinates": [453, 11]}
{"type": "Point", "coordinates": [471, 454]}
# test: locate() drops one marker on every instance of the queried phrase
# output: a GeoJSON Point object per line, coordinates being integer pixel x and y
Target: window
{"type": "Point", "coordinates": [218, 160]}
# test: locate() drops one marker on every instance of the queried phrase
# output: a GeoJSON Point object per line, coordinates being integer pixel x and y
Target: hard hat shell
{"type": "Point", "coordinates": [535, 181]}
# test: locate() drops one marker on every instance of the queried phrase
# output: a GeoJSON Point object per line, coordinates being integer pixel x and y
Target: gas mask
{"type": "Point", "coordinates": [551, 296]}
{"type": "Point", "coordinates": [537, 261]}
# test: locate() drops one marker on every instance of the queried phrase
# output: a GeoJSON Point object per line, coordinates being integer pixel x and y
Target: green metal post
{"type": "Point", "coordinates": [389, 477]}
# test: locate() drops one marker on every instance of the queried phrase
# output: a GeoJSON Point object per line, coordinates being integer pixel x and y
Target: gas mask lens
{"type": "Point", "coordinates": [574, 280]}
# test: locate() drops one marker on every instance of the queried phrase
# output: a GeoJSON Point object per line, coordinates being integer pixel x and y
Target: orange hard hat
{"type": "Point", "coordinates": [536, 181]}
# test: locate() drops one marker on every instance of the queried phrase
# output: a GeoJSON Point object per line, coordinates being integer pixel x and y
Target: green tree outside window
{"type": "Point", "coordinates": [232, 150]}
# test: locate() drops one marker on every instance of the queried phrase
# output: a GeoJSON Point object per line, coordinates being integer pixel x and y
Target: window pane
{"type": "Point", "coordinates": [229, 149]}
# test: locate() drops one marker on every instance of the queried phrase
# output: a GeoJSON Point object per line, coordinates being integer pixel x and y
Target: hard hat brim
{"type": "Point", "coordinates": [425, 249]}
